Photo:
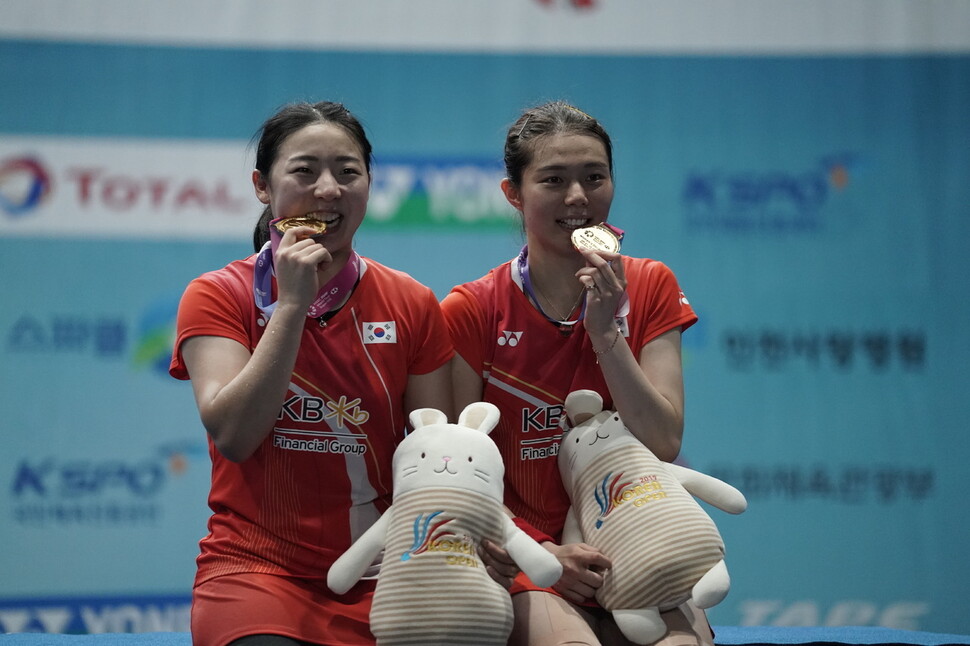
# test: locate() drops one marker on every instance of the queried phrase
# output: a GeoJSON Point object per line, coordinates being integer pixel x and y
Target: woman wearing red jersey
{"type": "Point", "coordinates": [558, 319]}
{"type": "Point", "coordinates": [304, 359]}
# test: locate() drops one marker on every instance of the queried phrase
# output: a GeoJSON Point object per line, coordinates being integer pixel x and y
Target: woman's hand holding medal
{"type": "Point", "coordinates": [297, 258]}
{"type": "Point", "coordinates": [602, 276]}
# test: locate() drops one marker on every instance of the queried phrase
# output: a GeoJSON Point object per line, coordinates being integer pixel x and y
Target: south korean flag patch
{"type": "Point", "coordinates": [380, 332]}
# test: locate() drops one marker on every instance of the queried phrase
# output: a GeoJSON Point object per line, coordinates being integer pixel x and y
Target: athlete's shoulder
{"type": "Point", "coordinates": [235, 272]}
{"type": "Point", "coordinates": [236, 279]}
{"type": "Point", "coordinates": [485, 288]}
{"type": "Point", "coordinates": [644, 265]}
{"type": "Point", "coordinates": [647, 271]}
{"type": "Point", "coordinates": [391, 278]}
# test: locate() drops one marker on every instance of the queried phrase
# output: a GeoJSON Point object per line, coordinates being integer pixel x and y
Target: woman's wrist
{"type": "Point", "coordinates": [606, 343]}
{"type": "Point", "coordinates": [288, 316]}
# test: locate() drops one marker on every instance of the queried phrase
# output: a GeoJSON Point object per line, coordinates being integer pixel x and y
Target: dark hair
{"type": "Point", "coordinates": [285, 122]}
{"type": "Point", "coordinates": [557, 117]}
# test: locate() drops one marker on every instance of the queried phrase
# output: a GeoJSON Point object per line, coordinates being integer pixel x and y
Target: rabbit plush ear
{"type": "Point", "coordinates": [582, 404]}
{"type": "Point", "coordinates": [480, 416]}
{"type": "Point", "coordinates": [427, 417]}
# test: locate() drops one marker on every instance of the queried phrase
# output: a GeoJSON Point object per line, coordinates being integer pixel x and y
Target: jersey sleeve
{"type": "Point", "coordinates": [434, 347]}
{"type": "Point", "coordinates": [206, 309]}
{"type": "Point", "coordinates": [663, 302]}
{"type": "Point", "coordinates": [466, 325]}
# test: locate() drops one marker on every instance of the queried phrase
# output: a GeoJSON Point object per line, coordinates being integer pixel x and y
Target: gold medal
{"type": "Point", "coordinates": [596, 238]}
{"type": "Point", "coordinates": [285, 224]}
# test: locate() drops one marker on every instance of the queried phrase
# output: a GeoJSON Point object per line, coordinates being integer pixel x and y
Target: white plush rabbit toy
{"type": "Point", "coordinates": [448, 497]}
{"type": "Point", "coordinates": [639, 511]}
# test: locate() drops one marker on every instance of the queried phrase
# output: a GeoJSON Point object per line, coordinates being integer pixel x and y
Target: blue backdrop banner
{"type": "Point", "coordinates": [814, 205]}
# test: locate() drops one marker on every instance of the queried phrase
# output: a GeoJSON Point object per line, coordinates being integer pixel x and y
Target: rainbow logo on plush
{"type": "Point", "coordinates": [608, 495]}
{"type": "Point", "coordinates": [426, 535]}
{"type": "Point", "coordinates": [448, 492]}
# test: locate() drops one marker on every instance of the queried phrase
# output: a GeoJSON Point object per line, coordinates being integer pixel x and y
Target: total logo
{"type": "Point", "coordinates": [24, 185]}
{"type": "Point", "coordinates": [100, 187]}
{"type": "Point", "coordinates": [119, 188]}
{"type": "Point", "coordinates": [156, 188]}
{"type": "Point", "coordinates": [575, 4]}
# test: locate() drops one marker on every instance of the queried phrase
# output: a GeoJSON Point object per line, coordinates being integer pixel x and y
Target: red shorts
{"type": "Point", "coordinates": [233, 606]}
{"type": "Point", "coordinates": [522, 583]}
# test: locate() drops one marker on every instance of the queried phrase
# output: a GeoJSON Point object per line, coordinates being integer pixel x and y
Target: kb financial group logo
{"type": "Point", "coordinates": [768, 201]}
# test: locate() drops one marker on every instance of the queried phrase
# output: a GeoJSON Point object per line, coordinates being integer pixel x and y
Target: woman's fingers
{"type": "Point", "coordinates": [583, 568]}
{"type": "Point", "coordinates": [603, 272]}
{"type": "Point", "coordinates": [498, 563]}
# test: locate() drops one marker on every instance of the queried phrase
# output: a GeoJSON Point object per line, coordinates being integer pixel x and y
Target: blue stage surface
{"type": "Point", "coordinates": [726, 636]}
{"type": "Point", "coordinates": [757, 635]}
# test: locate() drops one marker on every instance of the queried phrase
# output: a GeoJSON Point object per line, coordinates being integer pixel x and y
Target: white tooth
{"type": "Point", "coordinates": [324, 216]}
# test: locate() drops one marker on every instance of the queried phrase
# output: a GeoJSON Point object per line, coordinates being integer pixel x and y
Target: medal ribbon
{"type": "Point", "coordinates": [329, 295]}
{"type": "Point", "coordinates": [523, 267]}
{"type": "Point", "coordinates": [622, 310]}
{"type": "Point", "coordinates": [617, 231]}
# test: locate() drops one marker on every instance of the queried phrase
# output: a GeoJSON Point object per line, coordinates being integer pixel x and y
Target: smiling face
{"type": "Point", "coordinates": [449, 456]}
{"type": "Point", "coordinates": [319, 172]}
{"type": "Point", "coordinates": [565, 186]}
{"type": "Point", "coordinates": [595, 436]}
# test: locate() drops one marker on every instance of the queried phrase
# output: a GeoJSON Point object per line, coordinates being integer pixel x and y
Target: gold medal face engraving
{"type": "Point", "coordinates": [301, 221]}
{"type": "Point", "coordinates": [596, 238]}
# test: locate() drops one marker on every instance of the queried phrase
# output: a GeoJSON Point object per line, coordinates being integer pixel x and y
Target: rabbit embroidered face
{"type": "Point", "coordinates": [595, 431]}
{"type": "Point", "coordinates": [439, 454]}
{"type": "Point", "coordinates": [433, 586]}
{"type": "Point", "coordinates": [641, 513]}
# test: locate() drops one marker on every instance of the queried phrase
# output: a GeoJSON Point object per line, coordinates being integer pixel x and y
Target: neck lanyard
{"type": "Point", "coordinates": [522, 264]}
{"type": "Point", "coordinates": [331, 294]}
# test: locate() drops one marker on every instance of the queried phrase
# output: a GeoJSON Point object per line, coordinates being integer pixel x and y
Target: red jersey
{"type": "Point", "coordinates": [323, 475]}
{"type": "Point", "coordinates": [529, 367]}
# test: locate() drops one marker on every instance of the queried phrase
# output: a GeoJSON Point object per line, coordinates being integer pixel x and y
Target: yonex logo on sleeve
{"type": "Point", "coordinates": [510, 339]}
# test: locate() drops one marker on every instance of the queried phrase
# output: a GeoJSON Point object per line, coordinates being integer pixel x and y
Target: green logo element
{"type": "Point", "coordinates": [439, 194]}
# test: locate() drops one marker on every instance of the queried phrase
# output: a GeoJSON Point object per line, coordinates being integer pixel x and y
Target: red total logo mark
{"type": "Point", "coordinates": [578, 4]}
{"type": "Point", "coordinates": [94, 186]}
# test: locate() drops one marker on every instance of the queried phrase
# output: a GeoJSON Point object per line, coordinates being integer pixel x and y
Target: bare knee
{"type": "Point", "coordinates": [543, 619]}
{"type": "Point", "coordinates": [686, 626]}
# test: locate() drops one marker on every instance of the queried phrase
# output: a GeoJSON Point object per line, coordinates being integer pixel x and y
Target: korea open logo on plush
{"type": "Point", "coordinates": [639, 511]}
{"type": "Point", "coordinates": [448, 497]}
